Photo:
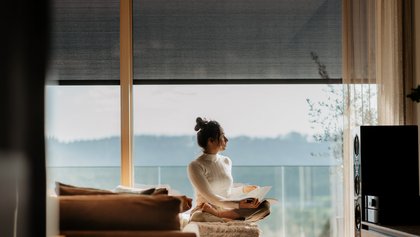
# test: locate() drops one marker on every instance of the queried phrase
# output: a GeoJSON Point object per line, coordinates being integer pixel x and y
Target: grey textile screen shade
{"type": "Point", "coordinates": [211, 40]}
{"type": "Point", "coordinates": [235, 39]}
{"type": "Point", "coordinates": [85, 40]}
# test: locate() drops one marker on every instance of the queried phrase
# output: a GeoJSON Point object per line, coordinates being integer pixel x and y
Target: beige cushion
{"type": "Point", "coordinates": [119, 212]}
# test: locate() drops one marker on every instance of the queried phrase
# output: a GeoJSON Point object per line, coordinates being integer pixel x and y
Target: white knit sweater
{"type": "Point", "coordinates": [211, 177]}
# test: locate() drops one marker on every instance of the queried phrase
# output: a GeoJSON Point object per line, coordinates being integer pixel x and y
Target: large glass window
{"type": "Point", "coordinates": [283, 133]}
{"type": "Point", "coordinates": [287, 136]}
{"type": "Point", "coordinates": [275, 139]}
{"type": "Point", "coordinates": [83, 135]}
{"type": "Point", "coordinates": [83, 122]}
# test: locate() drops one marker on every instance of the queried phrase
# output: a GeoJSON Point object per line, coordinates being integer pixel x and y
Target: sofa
{"type": "Point", "coordinates": [93, 212]}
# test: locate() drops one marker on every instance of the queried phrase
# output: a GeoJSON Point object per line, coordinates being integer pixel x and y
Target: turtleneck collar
{"type": "Point", "coordinates": [211, 157]}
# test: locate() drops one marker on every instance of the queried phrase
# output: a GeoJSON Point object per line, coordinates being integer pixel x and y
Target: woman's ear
{"type": "Point", "coordinates": [211, 141]}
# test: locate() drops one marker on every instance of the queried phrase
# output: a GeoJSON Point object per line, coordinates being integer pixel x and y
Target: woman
{"type": "Point", "coordinates": [211, 177]}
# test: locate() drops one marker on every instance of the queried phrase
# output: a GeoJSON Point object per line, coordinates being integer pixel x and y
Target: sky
{"type": "Point", "coordinates": [93, 112]}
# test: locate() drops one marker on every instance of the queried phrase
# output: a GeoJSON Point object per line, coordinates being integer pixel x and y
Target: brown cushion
{"type": "Point", "coordinates": [119, 212]}
{"type": "Point", "coordinates": [186, 203]}
{"type": "Point", "coordinates": [66, 189]}
{"type": "Point", "coordinates": [159, 191]}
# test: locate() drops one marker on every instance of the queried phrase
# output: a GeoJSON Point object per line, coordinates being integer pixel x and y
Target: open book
{"type": "Point", "coordinates": [258, 193]}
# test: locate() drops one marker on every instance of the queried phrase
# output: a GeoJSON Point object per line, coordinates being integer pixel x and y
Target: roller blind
{"type": "Point", "coordinates": [236, 39]}
{"type": "Point", "coordinates": [197, 39]}
{"type": "Point", "coordinates": [85, 40]}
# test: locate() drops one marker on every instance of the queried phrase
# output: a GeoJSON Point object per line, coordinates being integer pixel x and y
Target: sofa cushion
{"type": "Point", "coordinates": [66, 189]}
{"type": "Point", "coordinates": [147, 190]}
{"type": "Point", "coordinates": [119, 212]}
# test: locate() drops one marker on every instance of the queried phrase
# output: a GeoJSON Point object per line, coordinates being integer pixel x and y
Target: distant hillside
{"type": "Point", "coordinates": [291, 150]}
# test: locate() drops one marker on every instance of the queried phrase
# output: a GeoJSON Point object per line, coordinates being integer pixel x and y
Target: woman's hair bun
{"type": "Point", "coordinates": [199, 123]}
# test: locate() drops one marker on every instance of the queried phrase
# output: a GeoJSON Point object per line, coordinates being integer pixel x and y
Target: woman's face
{"type": "Point", "coordinates": [222, 140]}
{"type": "Point", "coordinates": [216, 145]}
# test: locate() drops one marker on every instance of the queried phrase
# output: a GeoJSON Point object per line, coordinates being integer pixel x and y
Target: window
{"type": "Point", "coordinates": [83, 121]}
{"type": "Point", "coordinates": [83, 135]}
{"type": "Point", "coordinates": [271, 131]}
{"type": "Point", "coordinates": [260, 64]}
{"type": "Point", "coordinates": [264, 69]}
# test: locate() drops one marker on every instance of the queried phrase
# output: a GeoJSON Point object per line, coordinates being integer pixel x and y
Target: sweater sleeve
{"type": "Point", "coordinates": [200, 183]}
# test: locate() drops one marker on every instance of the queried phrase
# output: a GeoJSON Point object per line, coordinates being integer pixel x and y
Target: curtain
{"type": "Point", "coordinates": [389, 67]}
{"type": "Point", "coordinates": [377, 75]}
{"type": "Point", "coordinates": [359, 77]}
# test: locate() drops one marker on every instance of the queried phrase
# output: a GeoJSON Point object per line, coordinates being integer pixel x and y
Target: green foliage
{"type": "Point", "coordinates": [322, 69]}
{"type": "Point", "coordinates": [327, 115]}
{"type": "Point", "coordinates": [415, 94]}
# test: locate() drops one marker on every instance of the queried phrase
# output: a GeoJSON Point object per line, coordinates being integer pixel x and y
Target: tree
{"type": "Point", "coordinates": [327, 116]}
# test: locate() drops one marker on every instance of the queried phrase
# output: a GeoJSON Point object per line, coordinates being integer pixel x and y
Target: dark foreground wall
{"type": "Point", "coordinates": [23, 60]}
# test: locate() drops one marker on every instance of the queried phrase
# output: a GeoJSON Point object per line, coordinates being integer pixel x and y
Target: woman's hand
{"type": "Point", "coordinates": [249, 188]}
{"type": "Point", "coordinates": [249, 203]}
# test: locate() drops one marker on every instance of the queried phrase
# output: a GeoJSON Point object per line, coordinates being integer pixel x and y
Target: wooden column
{"type": "Point", "coordinates": [126, 84]}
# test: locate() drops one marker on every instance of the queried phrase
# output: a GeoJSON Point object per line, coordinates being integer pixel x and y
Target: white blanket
{"type": "Point", "coordinates": [223, 229]}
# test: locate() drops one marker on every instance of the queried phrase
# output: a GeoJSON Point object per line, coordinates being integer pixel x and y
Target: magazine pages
{"type": "Point", "coordinates": [259, 193]}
